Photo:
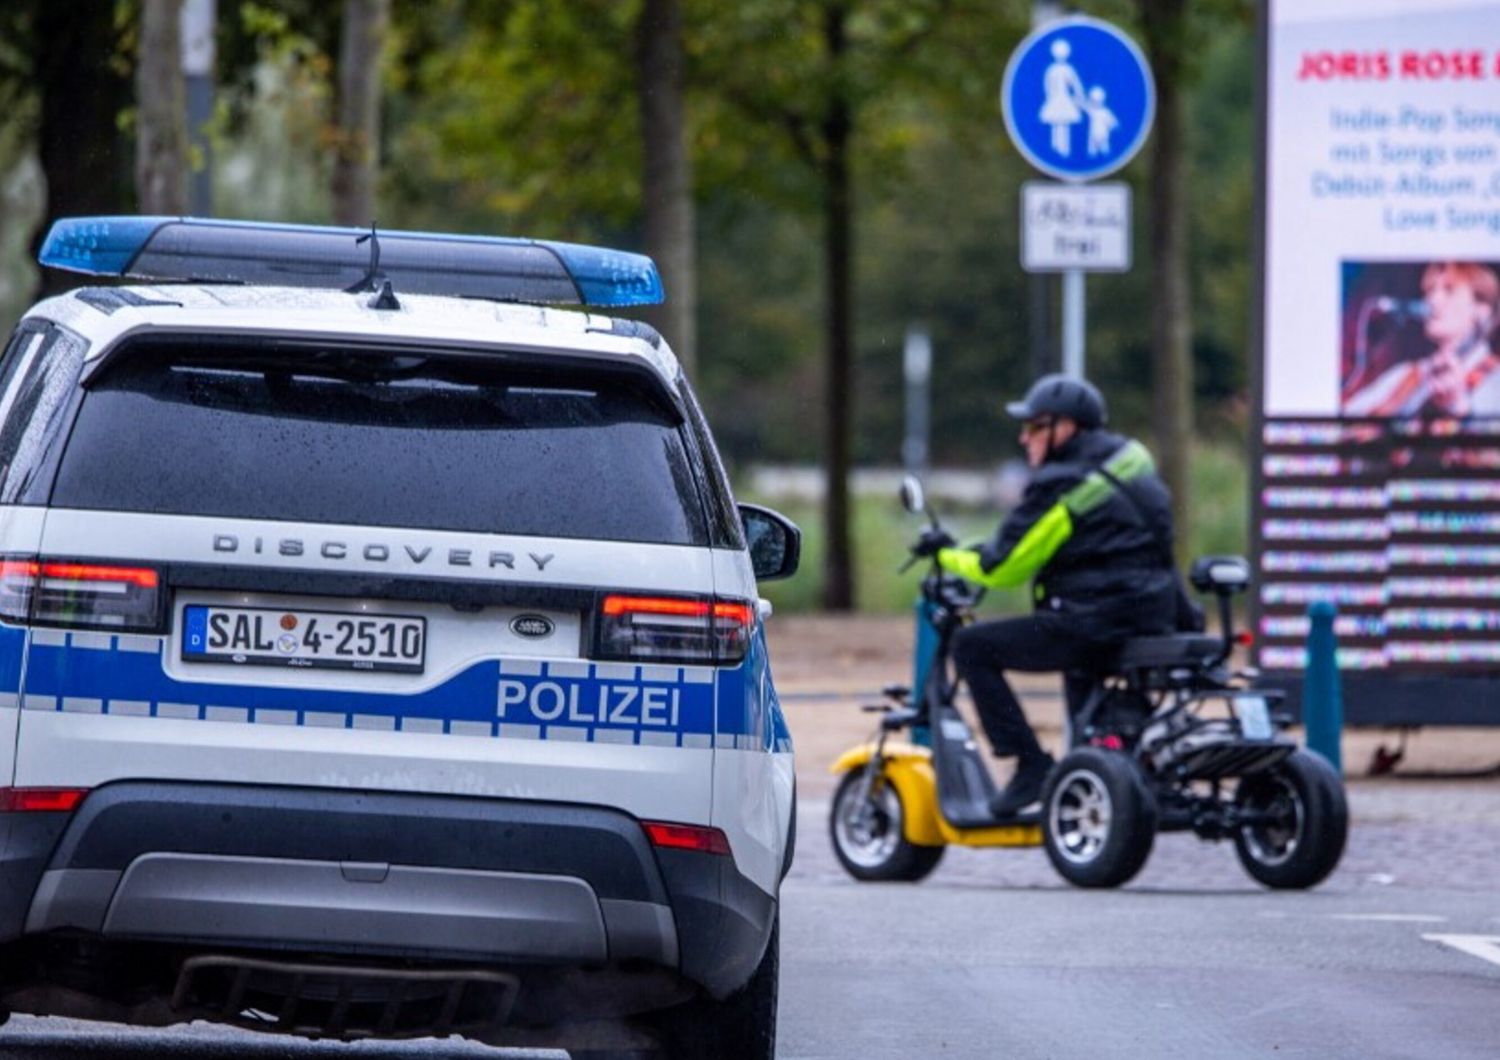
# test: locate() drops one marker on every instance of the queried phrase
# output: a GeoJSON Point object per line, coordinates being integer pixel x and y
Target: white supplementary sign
{"type": "Point", "coordinates": [1075, 226]}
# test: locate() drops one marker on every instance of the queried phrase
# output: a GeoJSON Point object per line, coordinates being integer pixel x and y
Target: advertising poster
{"type": "Point", "coordinates": [1378, 478]}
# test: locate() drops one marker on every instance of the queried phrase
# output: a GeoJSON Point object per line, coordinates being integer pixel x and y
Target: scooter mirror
{"type": "Point", "coordinates": [911, 495]}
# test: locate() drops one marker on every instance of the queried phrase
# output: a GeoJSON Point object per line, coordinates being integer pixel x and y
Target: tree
{"type": "Point", "coordinates": [357, 134]}
{"type": "Point", "coordinates": [161, 138]}
{"type": "Point", "coordinates": [667, 209]}
{"type": "Point", "coordinates": [1164, 23]}
{"type": "Point", "coordinates": [820, 66]}
{"type": "Point", "coordinates": [519, 113]}
{"type": "Point", "coordinates": [62, 72]}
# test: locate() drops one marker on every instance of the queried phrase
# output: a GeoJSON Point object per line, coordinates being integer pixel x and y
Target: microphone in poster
{"type": "Point", "coordinates": [1433, 355]}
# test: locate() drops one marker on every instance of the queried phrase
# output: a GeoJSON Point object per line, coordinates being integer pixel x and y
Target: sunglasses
{"type": "Point", "coordinates": [1031, 427]}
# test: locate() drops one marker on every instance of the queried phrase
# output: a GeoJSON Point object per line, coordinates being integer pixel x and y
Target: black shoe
{"type": "Point", "coordinates": [1024, 788]}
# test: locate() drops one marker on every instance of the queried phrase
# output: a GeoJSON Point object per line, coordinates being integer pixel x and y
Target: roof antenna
{"type": "Point", "coordinates": [373, 279]}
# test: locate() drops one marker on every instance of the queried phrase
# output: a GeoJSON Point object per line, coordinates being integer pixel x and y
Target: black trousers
{"type": "Point", "coordinates": [1031, 644]}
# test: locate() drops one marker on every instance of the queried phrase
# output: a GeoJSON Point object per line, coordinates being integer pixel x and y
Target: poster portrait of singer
{"type": "Point", "coordinates": [1420, 340]}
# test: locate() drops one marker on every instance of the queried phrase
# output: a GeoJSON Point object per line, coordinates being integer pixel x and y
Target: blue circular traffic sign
{"type": "Point", "coordinates": [1078, 98]}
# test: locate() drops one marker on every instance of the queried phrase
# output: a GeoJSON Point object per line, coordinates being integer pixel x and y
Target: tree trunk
{"type": "Point", "coordinates": [837, 130]}
{"type": "Point", "coordinates": [357, 139]}
{"type": "Point", "coordinates": [161, 116]}
{"type": "Point", "coordinates": [1165, 23]}
{"type": "Point", "coordinates": [84, 164]}
{"type": "Point", "coordinates": [667, 184]}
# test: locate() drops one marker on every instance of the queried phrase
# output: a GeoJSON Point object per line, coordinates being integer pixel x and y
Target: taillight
{"type": "Point", "coordinates": [51, 592]}
{"type": "Point", "coordinates": [673, 629]}
{"type": "Point", "coordinates": [41, 800]}
{"type": "Point", "coordinates": [686, 837]}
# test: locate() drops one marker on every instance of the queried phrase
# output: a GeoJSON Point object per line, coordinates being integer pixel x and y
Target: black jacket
{"type": "Point", "coordinates": [1094, 534]}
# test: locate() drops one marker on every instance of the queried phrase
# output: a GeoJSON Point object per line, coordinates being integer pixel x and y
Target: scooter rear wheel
{"type": "Point", "coordinates": [1098, 818]}
{"type": "Point", "coordinates": [866, 829]}
{"type": "Point", "coordinates": [1304, 821]}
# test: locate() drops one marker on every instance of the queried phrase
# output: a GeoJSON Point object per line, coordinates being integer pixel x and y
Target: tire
{"type": "Point", "coordinates": [870, 845]}
{"type": "Point", "coordinates": [1305, 845]}
{"type": "Point", "coordinates": [741, 1027]}
{"type": "Point", "coordinates": [1098, 818]}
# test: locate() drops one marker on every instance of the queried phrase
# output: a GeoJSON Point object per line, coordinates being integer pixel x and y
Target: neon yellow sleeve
{"type": "Point", "coordinates": [1038, 545]}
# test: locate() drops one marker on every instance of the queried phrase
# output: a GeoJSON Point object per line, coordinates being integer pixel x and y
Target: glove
{"type": "Point", "coordinates": [931, 540]}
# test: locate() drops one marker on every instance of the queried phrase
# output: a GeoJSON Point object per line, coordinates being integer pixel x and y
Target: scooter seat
{"type": "Point", "coordinates": [1178, 649]}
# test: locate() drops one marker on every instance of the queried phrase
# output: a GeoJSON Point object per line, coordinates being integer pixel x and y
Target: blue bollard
{"type": "Point", "coordinates": [1322, 690]}
{"type": "Point", "coordinates": [923, 655]}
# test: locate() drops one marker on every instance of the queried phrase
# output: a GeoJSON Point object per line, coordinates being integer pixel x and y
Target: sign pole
{"type": "Point", "coordinates": [1073, 323]}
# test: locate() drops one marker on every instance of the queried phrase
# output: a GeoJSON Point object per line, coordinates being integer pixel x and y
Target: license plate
{"type": "Point", "coordinates": [1254, 716]}
{"type": "Point", "coordinates": [252, 636]}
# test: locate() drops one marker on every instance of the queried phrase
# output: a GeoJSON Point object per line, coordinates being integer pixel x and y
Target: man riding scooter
{"type": "Point", "coordinates": [1093, 533]}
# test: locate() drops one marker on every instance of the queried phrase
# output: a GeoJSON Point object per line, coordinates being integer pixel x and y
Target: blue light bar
{"type": "Point", "coordinates": [204, 250]}
{"type": "Point", "coordinates": [609, 277]}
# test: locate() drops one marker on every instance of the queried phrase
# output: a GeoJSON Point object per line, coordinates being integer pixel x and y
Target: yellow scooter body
{"type": "Point", "coordinates": [908, 768]}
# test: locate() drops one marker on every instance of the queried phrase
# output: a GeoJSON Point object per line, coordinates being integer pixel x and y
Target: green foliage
{"type": "Point", "coordinates": [21, 193]}
{"type": "Point", "coordinates": [520, 116]}
{"type": "Point", "coordinates": [1223, 196]}
{"type": "Point", "coordinates": [273, 126]}
{"type": "Point", "coordinates": [1221, 497]}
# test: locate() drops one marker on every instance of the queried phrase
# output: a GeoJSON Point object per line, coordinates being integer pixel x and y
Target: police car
{"type": "Point", "coordinates": [380, 650]}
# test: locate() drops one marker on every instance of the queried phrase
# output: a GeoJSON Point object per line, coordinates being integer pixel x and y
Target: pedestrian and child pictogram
{"type": "Point", "coordinates": [1078, 99]}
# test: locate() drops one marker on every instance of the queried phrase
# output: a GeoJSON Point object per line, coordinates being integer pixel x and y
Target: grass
{"type": "Point", "coordinates": [882, 531]}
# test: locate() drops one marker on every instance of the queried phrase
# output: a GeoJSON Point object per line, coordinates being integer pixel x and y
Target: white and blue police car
{"type": "Point", "coordinates": [380, 650]}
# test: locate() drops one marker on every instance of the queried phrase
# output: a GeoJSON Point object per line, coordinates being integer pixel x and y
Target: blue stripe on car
{"type": "Point", "coordinates": [12, 652]}
{"type": "Point", "coordinates": [748, 708]}
{"type": "Point", "coordinates": [537, 699]}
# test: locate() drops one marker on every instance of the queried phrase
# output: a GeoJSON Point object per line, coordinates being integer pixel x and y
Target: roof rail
{"type": "Point", "coordinates": [207, 250]}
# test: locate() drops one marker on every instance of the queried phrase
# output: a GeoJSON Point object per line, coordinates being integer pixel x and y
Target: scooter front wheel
{"type": "Point", "coordinates": [865, 823]}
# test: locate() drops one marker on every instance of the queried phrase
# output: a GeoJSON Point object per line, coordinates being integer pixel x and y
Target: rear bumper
{"type": "Point", "coordinates": [379, 875]}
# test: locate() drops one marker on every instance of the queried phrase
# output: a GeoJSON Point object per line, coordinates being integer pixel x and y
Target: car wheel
{"type": "Point", "coordinates": [866, 828]}
{"type": "Point", "coordinates": [1301, 820]}
{"type": "Point", "coordinates": [741, 1027]}
{"type": "Point", "coordinates": [1099, 818]}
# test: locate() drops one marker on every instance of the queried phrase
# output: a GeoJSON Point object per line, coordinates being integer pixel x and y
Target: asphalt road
{"type": "Point", "coordinates": [1397, 955]}
{"type": "Point", "coordinates": [992, 957]}
{"type": "Point", "coordinates": [1137, 974]}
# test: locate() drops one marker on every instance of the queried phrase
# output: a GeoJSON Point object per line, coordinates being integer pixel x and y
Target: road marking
{"type": "Point", "coordinates": [1390, 918]}
{"type": "Point", "coordinates": [1485, 947]}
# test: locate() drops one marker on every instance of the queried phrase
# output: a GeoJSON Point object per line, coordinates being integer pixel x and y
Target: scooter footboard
{"type": "Point", "coordinates": [909, 770]}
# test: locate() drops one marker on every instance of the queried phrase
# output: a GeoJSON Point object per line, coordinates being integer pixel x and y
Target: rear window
{"type": "Point", "coordinates": [384, 439]}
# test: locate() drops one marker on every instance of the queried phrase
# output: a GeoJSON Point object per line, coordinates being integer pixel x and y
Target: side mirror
{"type": "Point", "coordinates": [912, 498]}
{"type": "Point", "coordinates": [774, 540]}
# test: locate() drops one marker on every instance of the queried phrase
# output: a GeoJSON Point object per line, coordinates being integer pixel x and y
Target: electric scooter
{"type": "Point", "coordinates": [1169, 738]}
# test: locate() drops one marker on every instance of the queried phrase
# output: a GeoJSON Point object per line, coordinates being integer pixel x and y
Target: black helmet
{"type": "Point", "coordinates": [1062, 395]}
